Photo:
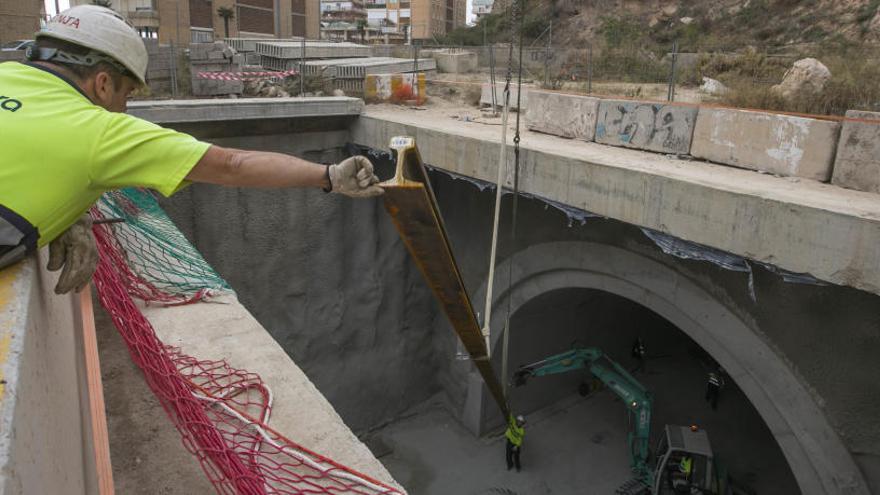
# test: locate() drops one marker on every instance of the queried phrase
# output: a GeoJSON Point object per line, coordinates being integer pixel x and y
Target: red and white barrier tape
{"type": "Point", "coordinates": [246, 76]}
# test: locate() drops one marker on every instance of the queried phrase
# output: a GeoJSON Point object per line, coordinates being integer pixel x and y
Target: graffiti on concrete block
{"type": "Point", "coordinates": [647, 126]}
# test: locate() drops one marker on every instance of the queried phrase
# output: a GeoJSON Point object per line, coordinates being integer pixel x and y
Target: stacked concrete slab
{"type": "Point", "coordinates": [248, 45]}
{"type": "Point", "coordinates": [455, 62]}
{"type": "Point", "coordinates": [515, 102]}
{"type": "Point", "coordinates": [214, 57]}
{"type": "Point", "coordinates": [327, 68]}
{"type": "Point", "coordinates": [664, 128]}
{"type": "Point", "coordinates": [313, 49]}
{"type": "Point", "coordinates": [570, 116]}
{"type": "Point", "coordinates": [359, 69]}
{"type": "Point", "coordinates": [778, 144]}
{"type": "Point", "coordinates": [857, 165]}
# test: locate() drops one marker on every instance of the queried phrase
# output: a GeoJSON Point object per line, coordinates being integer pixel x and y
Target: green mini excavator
{"type": "Point", "coordinates": [665, 475]}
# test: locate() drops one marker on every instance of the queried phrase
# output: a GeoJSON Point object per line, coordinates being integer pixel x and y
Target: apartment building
{"type": "Point", "coordinates": [482, 8]}
{"type": "Point", "coordinates": [350, 11]}
{"type": "Point", "coordinates": [192, 21]}
{"type": "Point", "coordinates": [19, 19]}
{"type": "Point", "coordinates": [418, 19]}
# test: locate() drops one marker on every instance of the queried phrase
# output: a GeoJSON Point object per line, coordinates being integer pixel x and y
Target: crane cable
{"type": "Point", "coordinates": [502, 165]}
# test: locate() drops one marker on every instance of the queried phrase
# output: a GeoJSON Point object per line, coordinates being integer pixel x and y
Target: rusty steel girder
{"type": "Point", "coordinates": [412, 205]}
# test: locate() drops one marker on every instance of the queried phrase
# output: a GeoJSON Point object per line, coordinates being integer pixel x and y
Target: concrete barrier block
{"type": "Point", "coordinates": [390, 87]}
{"type": "Point", "coordinates": [779, 144]}
{"type": "Point", "coordinates": [455, 62]}
{"type": "Point", "coordinates": [857, 165]}
{"type": "Point", "coordinates": [486, 95]}
{"type": "Point", "coordinates": [646, 126]}
{"type": "Point", "coordinates": [570, 116]}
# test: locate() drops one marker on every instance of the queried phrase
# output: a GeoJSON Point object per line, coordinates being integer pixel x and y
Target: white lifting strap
{"type": "Point", "coordinates": [499, 183]}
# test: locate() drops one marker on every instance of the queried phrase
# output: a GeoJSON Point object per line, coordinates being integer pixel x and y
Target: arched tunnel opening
{"type": "Point", "coordinates": [589, 431]}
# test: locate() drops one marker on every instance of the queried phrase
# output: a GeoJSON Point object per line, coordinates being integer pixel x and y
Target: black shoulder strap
{"type": "Point", "coordinates": [17, 237]}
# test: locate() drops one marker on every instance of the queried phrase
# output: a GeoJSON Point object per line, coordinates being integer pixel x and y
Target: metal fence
{"type": "Point", "coordinates": [676, 74]}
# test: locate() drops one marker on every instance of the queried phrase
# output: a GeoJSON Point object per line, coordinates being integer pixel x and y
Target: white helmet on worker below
{"type": "Point", "coordinates": [520, 419]}
{"type": "Point", "coordinates": [104, 31]}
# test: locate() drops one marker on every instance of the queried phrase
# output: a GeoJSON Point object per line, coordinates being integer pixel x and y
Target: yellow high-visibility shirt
{"type": "Point", "coordinates": [515, 433]}
{"type": "Point", "coordinates": [60, 152]}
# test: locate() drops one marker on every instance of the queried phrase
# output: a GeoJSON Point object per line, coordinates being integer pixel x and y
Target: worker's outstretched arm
{"type": "Point", "coordinates": [232, 167]}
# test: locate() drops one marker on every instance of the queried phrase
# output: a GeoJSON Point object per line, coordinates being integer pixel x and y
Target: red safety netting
{"type": "Point", "coordinates": [221, 412]}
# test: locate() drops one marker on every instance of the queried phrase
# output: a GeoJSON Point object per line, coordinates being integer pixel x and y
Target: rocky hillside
{"type": "Point", "coordinates": [705, 24]}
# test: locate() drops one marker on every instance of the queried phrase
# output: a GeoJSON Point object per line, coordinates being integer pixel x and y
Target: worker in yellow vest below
{"type": "Point", "coordinates": [515, 432]}
{"type": "Point", "coordinates": [66, 139]}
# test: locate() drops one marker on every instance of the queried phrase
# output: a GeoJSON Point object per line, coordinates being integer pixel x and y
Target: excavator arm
{"type": "Point", "coordinates": [635, 396]}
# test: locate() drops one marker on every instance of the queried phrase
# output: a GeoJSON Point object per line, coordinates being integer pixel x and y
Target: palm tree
{"type": "Point", "coordinates": [226, 13]}
{"type": "Point", "coordinates": [361, 27]}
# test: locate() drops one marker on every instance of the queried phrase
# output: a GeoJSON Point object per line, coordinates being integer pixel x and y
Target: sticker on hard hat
{"type": "Point", "coordinates": [67, 20]}
{"type": "Point", "coordinates": [11, 104]}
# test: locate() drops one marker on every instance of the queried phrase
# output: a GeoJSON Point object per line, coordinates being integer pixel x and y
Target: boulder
{"type": "Point", "coordinates": [807, 76]}
{"type": "Point", "coordinates": [669, 10]}
{"type": "Point", "coordinates": [713, 87]}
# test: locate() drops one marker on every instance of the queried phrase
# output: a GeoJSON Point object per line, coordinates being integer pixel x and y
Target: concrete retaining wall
{"type": "Point", "coordinates": [570, 116]}
{"type": "Point", "coordinates": [45, 437]}
{"type": "Point", "coordinates": [857, 165]}
{"type": "Point", "coordinates": [646, 126]}
{"type": "Point", "coordinates": [778, 144]}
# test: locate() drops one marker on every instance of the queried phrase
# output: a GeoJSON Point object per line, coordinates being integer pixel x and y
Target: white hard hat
{"type": "Point", "coordinates": [520, 419]}
{"type": "Point", "coordinates": [102, 30]}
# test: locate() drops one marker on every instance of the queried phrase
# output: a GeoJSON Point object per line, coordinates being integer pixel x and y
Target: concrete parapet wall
{"type": "Point", "coordinates": [387, 87]}
{"type": "Point", "coordinates": [570, 116]}
{"type": "Point", "coordinates": [299, 410]}
{"type": "Point", "coordinates": [857, 165]}
{"type": "Point", "coordinates": [455, 62]}
{"type": "Point", "coordinates": [646, 126]}
{"type": "Point", "coordinates": [803, 227]}
{"type": "Point", "coordinates": [45, 436]}
{"type": "Point", "coordinates": [183, 111]}
{"type": "Point", "coordinates": [486, 95]}
{"type": "Point", "coordinates": [778, 144]}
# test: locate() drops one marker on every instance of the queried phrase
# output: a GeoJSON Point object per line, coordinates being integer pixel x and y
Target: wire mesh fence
{"type": "Point", "coordinates": [687, 73]}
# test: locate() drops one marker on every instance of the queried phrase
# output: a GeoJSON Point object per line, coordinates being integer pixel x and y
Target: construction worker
{"type": "Point", "coordinates": [638, 352]}
{"type": "Point", "coordinates": [515, 433]}
{"type": "Point", "coordinates": [713, 388]}
{"type": "Point", "coordinates": [66, 140]}
{"type": "Point", "coordinates": [681, 480]}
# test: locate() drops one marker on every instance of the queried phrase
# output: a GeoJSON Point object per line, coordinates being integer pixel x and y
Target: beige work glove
{"type": "Point", "coordinates": [354, 177]}
{"type": "Point", "coordinates": [76, 251]}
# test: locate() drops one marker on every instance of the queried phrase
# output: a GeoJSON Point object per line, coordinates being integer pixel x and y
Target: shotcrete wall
{"type": "Point", "coordinates": [326, 275]}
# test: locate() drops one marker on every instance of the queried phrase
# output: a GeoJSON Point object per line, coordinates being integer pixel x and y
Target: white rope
{"type": "Point", "coordinates": [502, 166]}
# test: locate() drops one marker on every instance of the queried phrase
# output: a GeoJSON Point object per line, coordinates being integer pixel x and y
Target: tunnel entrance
{"type": "Point", "coordinates": [675, 372]}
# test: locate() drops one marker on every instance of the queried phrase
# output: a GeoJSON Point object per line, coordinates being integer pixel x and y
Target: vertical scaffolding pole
{"type": "Point", "coordinates": [671, 95]}
{"type": "Point", "coordinates": [302, 68]}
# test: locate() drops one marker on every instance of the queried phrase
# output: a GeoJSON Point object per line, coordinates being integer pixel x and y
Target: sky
{"type": "Point", "coordinates": [50, 5]}
{"type": "Point", "coordinates": [50, 8]}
